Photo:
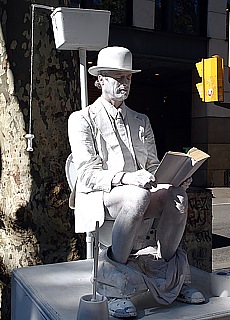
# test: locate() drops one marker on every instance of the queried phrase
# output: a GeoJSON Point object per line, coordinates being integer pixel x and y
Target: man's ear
{"type": "Point", "coordinates": [100, 79]}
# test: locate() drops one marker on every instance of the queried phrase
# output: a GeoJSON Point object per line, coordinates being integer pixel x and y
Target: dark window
{"type": "Point", "coordinates": [178, 16]}
{"type": "Point", "coordinates": [186, 16]}
{"type": "Point", "coordinates": [227, 18]}
{"type": "Point", "coordinates": [181, 16]}
{"type": "Point", "coordinates": [118, 8]}
{"type": "Point", "coordinates": [158, 15]}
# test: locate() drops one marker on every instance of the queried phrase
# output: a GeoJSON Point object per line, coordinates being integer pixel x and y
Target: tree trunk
{"type": "Point", "coordinates": [36, 224]}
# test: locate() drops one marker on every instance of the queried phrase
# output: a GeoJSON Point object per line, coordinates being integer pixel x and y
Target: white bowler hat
{"type": "Point", "coordinates": [113, 59]}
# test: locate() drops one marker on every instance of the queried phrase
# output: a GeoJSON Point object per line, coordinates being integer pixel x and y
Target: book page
{"type": "Point", "coordinates": [187, 171]}
{"type": "Point", "coordinates": [176, 167]}
{"type": "Point", "coordinates": [197, 154]}
{"type": "Point", "coordinates": [169, 167]}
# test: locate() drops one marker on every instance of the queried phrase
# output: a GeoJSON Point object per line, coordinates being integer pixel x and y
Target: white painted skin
{"type": "Point", "coordinates": [115, 86]}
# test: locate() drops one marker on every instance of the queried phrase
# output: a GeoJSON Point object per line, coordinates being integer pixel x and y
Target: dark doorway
{"type": "Point", "coordinates": [166, 100]}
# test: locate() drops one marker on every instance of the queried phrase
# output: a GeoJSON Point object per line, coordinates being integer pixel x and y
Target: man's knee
{"type": "Point", "coordinates": [178, 197]}
{"type": "Point", "coordinates": [136, 200]}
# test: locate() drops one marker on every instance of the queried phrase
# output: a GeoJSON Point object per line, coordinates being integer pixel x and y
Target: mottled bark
{"type": "Point", "coordinates": [36, 225]}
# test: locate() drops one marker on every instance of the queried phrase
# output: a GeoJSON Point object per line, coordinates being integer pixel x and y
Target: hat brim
{"type": "Point", "coordinates": [95, 71]}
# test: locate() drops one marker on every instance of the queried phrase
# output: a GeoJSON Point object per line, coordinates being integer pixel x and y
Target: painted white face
{"type": "Point", "coordinates": [116, 85]}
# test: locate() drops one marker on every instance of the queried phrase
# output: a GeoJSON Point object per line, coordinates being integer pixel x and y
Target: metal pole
{"type": "Point", "coordinates": [84, 103]}
{"type": "Point", "coordinates": [95, 265]}
{"type": "Point", "coordinates": [29, 136]}
{"type": "Point", "coordinates": [83, 78]}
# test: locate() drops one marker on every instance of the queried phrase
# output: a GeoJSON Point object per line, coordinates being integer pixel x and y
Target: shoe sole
{"type": "Point", "coordinates": [127, 315]}
{"type": "Point", "coordinates": [197, 301]}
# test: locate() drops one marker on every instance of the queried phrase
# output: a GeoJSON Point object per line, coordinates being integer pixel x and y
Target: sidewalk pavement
{"type": "Point", "coordinates": [220, 194]}
{"type": "Point", "coordinates": [221, 228]}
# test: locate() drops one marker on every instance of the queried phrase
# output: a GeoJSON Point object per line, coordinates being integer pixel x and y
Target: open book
{"type": "Point", "coordinates": [176, 167]}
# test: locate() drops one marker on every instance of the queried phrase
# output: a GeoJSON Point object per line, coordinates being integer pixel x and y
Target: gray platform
{"type": "Point", "coordinates": [53, 292]}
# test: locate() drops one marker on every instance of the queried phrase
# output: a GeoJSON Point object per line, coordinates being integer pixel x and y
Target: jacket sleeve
{"type": "Point", "coordinates": [152, 158]}
{"type": "Point", "coordinates": [89, 166]}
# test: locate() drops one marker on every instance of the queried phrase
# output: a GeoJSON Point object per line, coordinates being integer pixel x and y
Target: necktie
{"type": "Point", "coordinates": [124, 143]}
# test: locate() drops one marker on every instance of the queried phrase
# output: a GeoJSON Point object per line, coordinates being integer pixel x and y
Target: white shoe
{"type": "Point", "coordinates": [121, 308]}
{"type": "Point", "coordinates": [190, 295]}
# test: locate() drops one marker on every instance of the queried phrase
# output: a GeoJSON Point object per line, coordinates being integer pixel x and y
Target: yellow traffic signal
{"type": "Point", "coordinates": [211, 71]}
{"type": "Point", "coordinates": [200, 85]}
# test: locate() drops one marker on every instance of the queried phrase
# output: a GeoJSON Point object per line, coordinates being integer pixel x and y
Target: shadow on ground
{"type": "Point", "coordinates": [219, 241]}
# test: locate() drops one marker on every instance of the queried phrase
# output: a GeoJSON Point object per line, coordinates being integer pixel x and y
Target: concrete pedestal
{"type": "Point", "coordinates": [53, 292]}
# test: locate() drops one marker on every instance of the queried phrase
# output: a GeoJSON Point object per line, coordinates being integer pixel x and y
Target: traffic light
{"type": "Point", "coordinates": [211, 70]}
{"type": "Point", "coordinates": [200, 85]}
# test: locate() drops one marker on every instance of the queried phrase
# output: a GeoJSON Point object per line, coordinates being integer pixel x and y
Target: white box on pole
{"type": "Point", "coordinates": [76, 28]}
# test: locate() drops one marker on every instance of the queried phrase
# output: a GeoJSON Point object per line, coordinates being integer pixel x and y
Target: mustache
{"type": "Point", "coordinates": [122, 89]}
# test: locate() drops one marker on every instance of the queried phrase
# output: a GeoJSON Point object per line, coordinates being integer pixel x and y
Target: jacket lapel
{"type": "Point", "coordinates": [103, 124]}
{"type": "Point", "coordinates": [137, 131]}
{"type": "Point", "coordinates": [136, 123]}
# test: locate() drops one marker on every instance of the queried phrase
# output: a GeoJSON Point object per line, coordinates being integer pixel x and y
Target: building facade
{"type": "Point", "coordinates": [167, 38]}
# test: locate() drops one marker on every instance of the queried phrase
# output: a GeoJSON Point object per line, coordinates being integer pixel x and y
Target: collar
{"type": "Point", "coordinates": [112, 111]}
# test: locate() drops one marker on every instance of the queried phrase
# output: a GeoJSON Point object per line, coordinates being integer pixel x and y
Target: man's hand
{"type": "Point", "coordinates": [140, 178]}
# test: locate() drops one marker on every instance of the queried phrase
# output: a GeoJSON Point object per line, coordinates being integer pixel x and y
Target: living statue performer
{"type": "Point", "coordinates": [115, 157]}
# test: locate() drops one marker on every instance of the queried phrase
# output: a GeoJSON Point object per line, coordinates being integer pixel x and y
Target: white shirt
{"type": "Point", "coordinates": [124, 139]}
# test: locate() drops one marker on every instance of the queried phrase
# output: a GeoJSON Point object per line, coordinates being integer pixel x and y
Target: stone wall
{"type": "Point", "coordinates": [198, 234]}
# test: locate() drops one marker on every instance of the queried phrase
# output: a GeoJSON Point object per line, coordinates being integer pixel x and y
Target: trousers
{"type": "Point", "coordinates": [134, 210]}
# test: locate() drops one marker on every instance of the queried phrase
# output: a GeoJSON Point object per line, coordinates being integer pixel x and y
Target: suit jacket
{"type": "Point", "coordinates": [98, 157]}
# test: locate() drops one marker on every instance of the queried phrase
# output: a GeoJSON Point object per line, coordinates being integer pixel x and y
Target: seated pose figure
{"type": "Point", "coordinates": [115, 156]}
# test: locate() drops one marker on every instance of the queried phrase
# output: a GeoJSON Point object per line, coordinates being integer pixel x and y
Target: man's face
{"type": "Point", "coordinates": [115, 85]}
